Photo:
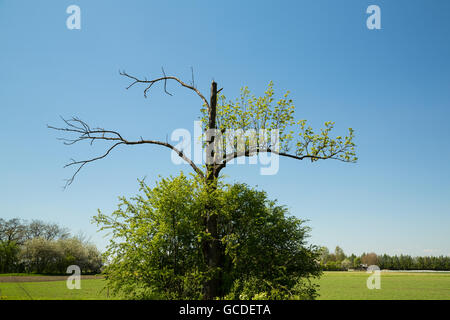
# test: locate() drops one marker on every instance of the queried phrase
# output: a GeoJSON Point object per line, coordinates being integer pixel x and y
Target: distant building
{"type": "Point", "coordinates": [362, 266]}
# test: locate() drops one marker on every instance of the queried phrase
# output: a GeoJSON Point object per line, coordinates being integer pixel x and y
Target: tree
{"type": "Point", "coordinates": [156, 246]}
{"type": "Point", "coordinates": [54, 256]}
{"type": "Point", "coordinates": [41, 256]}
{"type": "Point", "coordinates": [352, 258]}
{"type": "Point", "coordinates": [340, 255]}
{"type": "Point", "coordinates": [9, 256]}
{"type": "Point", "coordinates": [47, 231]}
{"type": "Point", "coordinates": [356, 263]}
{"type": "Point", "coordinates": [332, 257]}
{"type": "Point", "coordinates": [38, 246]}
{"type": "Point", "coordinates": [272, 126]}
{"type": "Point", "coordinates": [19, 231]}
{"type": "Point", "coordinates": [324, 255]}
{"type": "Point", "coordinates": [369, 259]}
{"type": "Point", "coordinates": [346, 264]}
{"type": "Point", "coordinates": [12, 230]}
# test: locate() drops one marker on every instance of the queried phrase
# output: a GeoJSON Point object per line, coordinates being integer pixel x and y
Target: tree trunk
{"type": "Point", "coordinates": [212, 246]}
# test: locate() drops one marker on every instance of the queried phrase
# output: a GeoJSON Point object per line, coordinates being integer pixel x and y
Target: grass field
{"type": "Point", "coordinates": [53, 290]}
{"type": "Point", "coordinates": [333, 285]}
{"type": "Point", "coordinates": [394, 286]}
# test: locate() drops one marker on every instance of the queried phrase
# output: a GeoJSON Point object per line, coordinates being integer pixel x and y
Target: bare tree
{"type": "Point", "coordinates": [19, 231]}
{"type": "Point", "coordinates": [369, 259]}
{"type": "Point", "coordinates": [12, 230]}
{"type": "Point", "coordinates": [313, 147]}
{"type": "Point", "coordinates": [47, 231]}
{"type": "Point", "coordinates": [83, 237]}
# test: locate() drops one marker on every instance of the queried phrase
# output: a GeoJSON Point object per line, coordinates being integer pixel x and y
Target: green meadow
{"type": "Point", "coordinates": [333, 286]}
{"type": "Point", "coordinates": [394, 286]}
{"type": "Point", "coordinates": [53, 290]}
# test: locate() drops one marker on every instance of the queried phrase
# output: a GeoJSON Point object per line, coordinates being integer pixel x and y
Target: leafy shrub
{"type": "Point", "coordinates": [155, 251]}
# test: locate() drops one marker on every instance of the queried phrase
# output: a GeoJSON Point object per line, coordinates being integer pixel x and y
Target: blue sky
{"type": "Point", "coordinates": [391, 85]}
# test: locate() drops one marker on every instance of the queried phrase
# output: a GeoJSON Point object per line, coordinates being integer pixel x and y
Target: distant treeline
{"type": "Point", "coordinates": [340, 261]}
{"type": "Point", "coordinates": [39, 247]}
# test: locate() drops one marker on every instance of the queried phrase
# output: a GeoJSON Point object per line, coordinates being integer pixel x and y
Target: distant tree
{"type": "Point", "coordinates": [420, 263]}
{"type": "Point", "coordinates": [47, 231]}
{"type": "Point", "coordinates": [332, 257]}
{"type": "Point", "coordinates": [19, 231]}
{"type": "Point", "coordinates": [396, 263]}
{"type": "Point", "coordinates": [357, 262]}
{"type": "Point", "coordinates": [346, 264]}
{"type": "Point", "coordinates": [9, 256]}
{"type": "Point", "coordinates": [406, 262]}
{"type": "Point", "coordinates": [402, 262]}
{"type": "Point", "coordinates": [44, 248]}
{"type": "Point", "coordinates": [333, 266]}
{"type": "Point", "coordinates": [12, 230]}
{"type": "Point", "coordinates": [83, 237]}
{"type": "Point", "coordinates": [369, 259]}
{"type": "Point", "coordinates": [324, 255]}
{"type": "Point", "coordinates": [340, 255]}
{"type": "Point", "coordinates": [39, 255]}
{"type": "Point", "coordinates": [383, 261]}
{"type": "Point", "coordinates": [352, 258]}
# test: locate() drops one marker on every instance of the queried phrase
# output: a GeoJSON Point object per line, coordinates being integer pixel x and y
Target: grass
{"type": "Point", "coordinates": [22, 274]}
{"type": "Point", "coordinates": [394, 286]}
{"type": "Point", "coordinates": [333, 286]}
{"type": "Point", "coordinates": [91, 289]}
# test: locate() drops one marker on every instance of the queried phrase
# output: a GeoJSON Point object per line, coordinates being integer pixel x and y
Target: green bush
{"type": "Point", "coordinates": [156, 247]}
{"type": "Point", "coordinates": [39, 255]}
{"type": "Point", "coordinates": [9, 256]}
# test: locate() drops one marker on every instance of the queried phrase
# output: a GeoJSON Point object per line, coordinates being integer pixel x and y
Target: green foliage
{"type": "Point", "coordinates": [339, 261]}
{"type": "Point", "coordinates": [254, 288]}
{"type": "Point", "coordinates": [356, 262]}
{"type": "Point", "coordinates": [155, 251]}
{"type": "Point", "coordinates": [54, 256]}
{"type": "Point", "coordinates": [346, 264]}
{"type": "Point", "coordinates": [41, 247]}
{"type": "Point", "coordinates": [332, 261]}
{"type": "Point", "coordinates": [340, 255]}
{"type": "Point", "coordinates": [9, 256]}
{"type": "Point", "coordinates": [249, 112]}
{"type": "Point", "coordinates": [262, 242]}
{"type": "Point", "coordinates": [406, 262]}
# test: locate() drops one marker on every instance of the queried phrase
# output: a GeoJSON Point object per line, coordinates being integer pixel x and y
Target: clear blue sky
{"type": "Point", "coordinates": [391, 85]}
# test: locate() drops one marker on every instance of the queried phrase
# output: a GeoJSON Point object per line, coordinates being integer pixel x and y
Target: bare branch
{"type": "Point", "coordinates": [165, 82]}
{"type": "Point", "coordinates": [256, 150]}
{"type": "Point", "coordinates": [84, 132]}
{"type": "Point", "coordinates": [150, 83]}
{"type": "Point", "coordinates": [83, 162]}
{"type": "Point", "coordinates": [192, 76]}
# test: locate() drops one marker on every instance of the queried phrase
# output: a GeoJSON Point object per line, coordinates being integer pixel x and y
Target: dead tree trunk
{"type": "Point", "coordinates": [212, 250]}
